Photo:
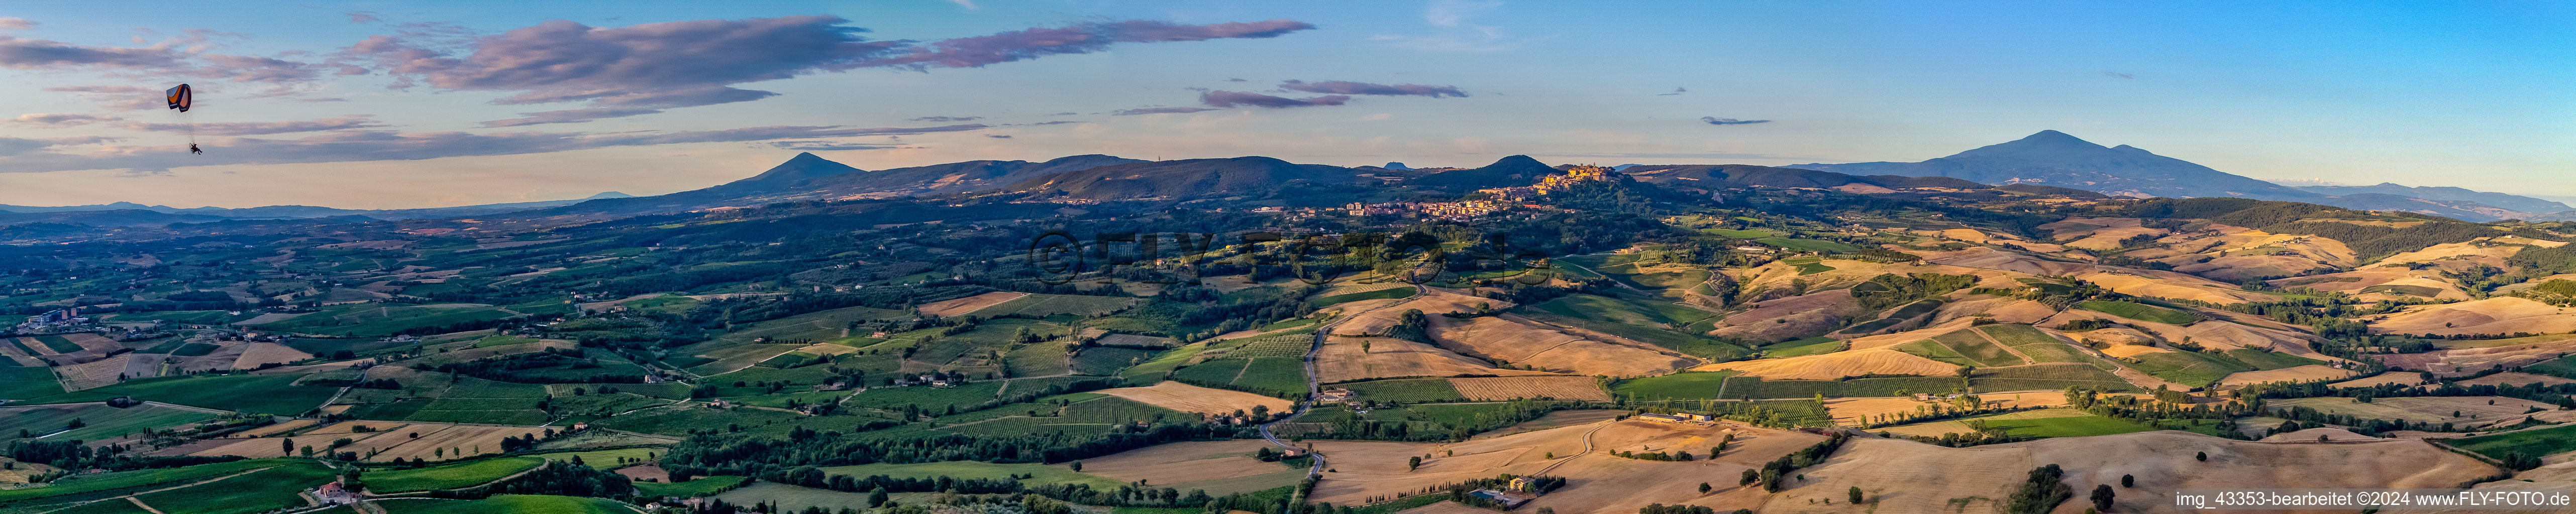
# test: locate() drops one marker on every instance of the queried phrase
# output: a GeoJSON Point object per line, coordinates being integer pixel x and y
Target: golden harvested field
{"type": "Point", "coordinates": [1435, 301]}
{"type": "Point", "coordinates": [1851, 411]}
{"type": "Point", "coordinates": [2311, 435]}
{"type": "Point", "coordinates": [1936, 428]}
{"type": "Point", "coordinates": [1602, 483]}
{"type": "Point", "coordinates": [1341, 360]}
{"type": "Point", "coordinates": [2474, 410]}
{"type": "Point", "coordinates": [103, 373]}
{"type": "Point", "coordinates": [1219, 467]}
{"type": "Point", "coordinates": [279, 428]}
{"type": "Point", "coordinates": [2389, 377]}
{"type": "Point", "coordinates": [1496, 337]}
{"type": "Point", "coordinates": [1446, 507]}
{"type": "Point", "coordinates": [2516, 379]}
{"type": "Point", "coordinates": [1835, 365]}
{"type": "Point", "coordinates": [2499, 315]}
{"type": "Point", "coordinates": [2464, 361]}
{"type": "Point", "coordinates": [961, 306]}
{"type": "Point", "coordinates": [92, 342]}
{"type": "Point", "coordinates": [2120, 350]}
{"type": "Point", "coordinates": [1506, 388]}
{"type": "Point", "coordinates": [393, 439]}
{"type": "Point", "coordinates": [1538, 345]}
{"type": "Point", "coordinates": [256, 354]}
{"type": "Point", "coordinates": [2289, 374]}
{"type": "Point", "coordinates": [1905, 476]}
{"type": "Point", "coordinates": [1768, 310]}
{"type": "Point", "coordinates": [1190, 398]}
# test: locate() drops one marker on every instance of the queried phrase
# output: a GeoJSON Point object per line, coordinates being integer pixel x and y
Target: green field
{"type": "Point", "coordinates": [1677, 386]}
{"type": "Point", "coordinates": [1285, 378]}
{"type": "Point", "coordinates": [99, 420]}
{"type": "Point", "coordinates": [1271, 376]}
{"type": "Point", "coordinates": [1094, 415]}
{"type": "Point", "coordinates": [1051, 304]}
{"type": "Point", "coordinates": [1407, 390]}
{"type": "Point", "coordinates": [1045, 473]}
{"type": "Point", "coordinates": [60, 344]}
{"type": "Point", "coordinates": [691, 489]}
{"type": "Point", "coordinates": [1102, 360]}
{"type": "Point", "coordinates": [1646, 322]}
{"type": "Point", "coordinates": [932, 400]}
{"type": "Point", "coordinates": [2532, 443]}
{"type": "Point", "coordinates": [812, 327]}
{"type": "Point", "coordinates": [788, 360]}
{"type": "Point", "coordinates": [1393, 292]}
{"type": "Point", "coordinates": [450, 476]}
{"type": "Point", "coordinates": [111, 484]}
{"type": "Point", "coordinates": [379, 319]}
{"type": "Point", "coordinates": [182, 317]}
{"type": "Point", "coordinates": [1810, 245]}
{"type": "Point", "coordinates": [1933, 350]}
{"type": "Point", "coordinates": [511, 503]}
{"type": "Point", "coordinates": [1165, 362]}
{"type": "Point", "coordinates": [1039, 359]}
{"type": "Point", "coordinates": [2039, 346]}
{"type": "Point", "coordinates": [1803, 347]}
{"type": "Point", "coordinates": [2138, 311]}
{"type": "Point", "coordinates": [793, 498]}
{"type": "Point", "coordinates": [502, 340]}
{"type": "Point", "coordinates": [2057, 423]}
{"type": "Point", "coordinates": [1983, 353]}
{"type": "Point", "coordinates": [680, 421]}
{"type": "Point", "coordinates": [264, 394]}
{"type": "Point", "coordinates": [2264, 360]}
{"type": "Point", "coordinates": [1738, 234]}
{"type": "Point", "coordinates": [260, 491]}
{"type": "Point", "coordinates": [19, 383]}
{"type": "Point", "coordinates": [2185, 367]}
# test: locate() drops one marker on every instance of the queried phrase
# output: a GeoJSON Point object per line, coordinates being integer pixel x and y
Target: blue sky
{"type": "Point", "coordinates": [297, 104]}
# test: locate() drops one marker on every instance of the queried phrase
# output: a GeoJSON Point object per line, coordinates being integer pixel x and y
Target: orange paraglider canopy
{"type": "Point", "coordinates": [180, 97]}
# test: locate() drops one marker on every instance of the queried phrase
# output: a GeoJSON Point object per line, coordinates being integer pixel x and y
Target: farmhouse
{"type": "Point", "coordinates": [1509, 500]}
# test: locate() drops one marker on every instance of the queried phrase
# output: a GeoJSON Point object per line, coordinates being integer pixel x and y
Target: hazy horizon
{"type": "Point", "coordinates": [410, 104]}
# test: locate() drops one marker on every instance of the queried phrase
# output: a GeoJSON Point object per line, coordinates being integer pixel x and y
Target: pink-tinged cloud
{"type": "Point", "coordinates": [691, 63]}
{"type": "Point", "coordinates": [123, 98]}
{"type": "Point", "coordinates": [8, 23]}
{"type": "Point", "coordinates": [364, 17]}
{"type": "Point", "coordinates": [254, 128]}
{"type": "Point", "coordinates": [373, 145]}
{"type": "Point", "coordinates": [180, 57]}
{"type": "Point", "coordinates": [968, 52]}
{"type": "Point", "coordinates": [1234, 98]}
{"type": "Point", "coordinates": [61, 119]}
{"type": "Point", "coordinates": [1344, 87]}
{"type": "Point", "coordinates": [570, 116]}
{"type": "Point", "coordinates": [10, 146]}
{"type": "Point", "coordinates": [1155, 110]}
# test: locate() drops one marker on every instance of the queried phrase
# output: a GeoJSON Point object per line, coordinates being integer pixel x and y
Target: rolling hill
{"type": "Point", "coordinates": [2057, 159]}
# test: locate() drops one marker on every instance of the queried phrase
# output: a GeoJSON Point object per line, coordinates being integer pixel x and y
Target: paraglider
{"type": "Point", "coordinates": [182, 98]}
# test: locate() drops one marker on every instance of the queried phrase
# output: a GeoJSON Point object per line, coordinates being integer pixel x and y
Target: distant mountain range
{"type": "Point", "coordinates": [127, 214]}
{"type": "Point", "coordinates": [2497, 200]}
{"type": "Point", "coordinates": [2056, 159]}
{"type": "Point", "coordinates": [2049, 162]}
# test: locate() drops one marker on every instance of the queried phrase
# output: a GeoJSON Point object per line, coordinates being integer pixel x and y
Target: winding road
{"type": "Point", "coordinates": [1314, 387]}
